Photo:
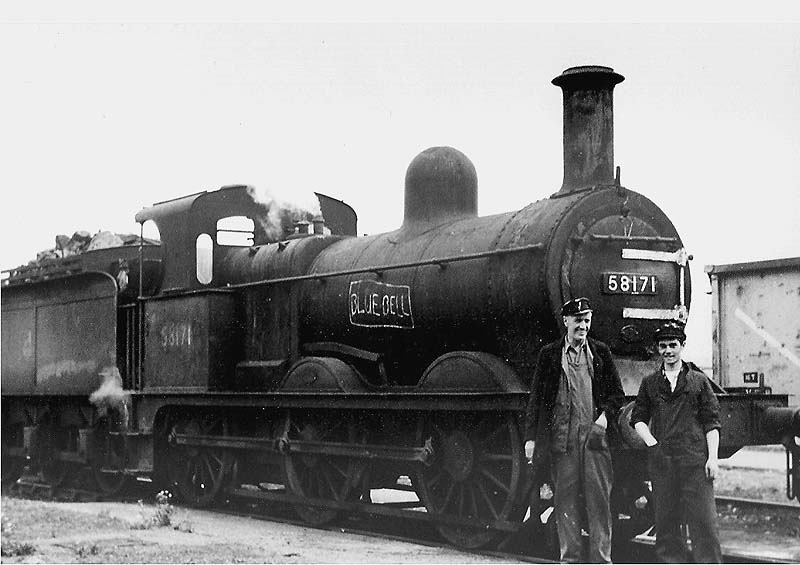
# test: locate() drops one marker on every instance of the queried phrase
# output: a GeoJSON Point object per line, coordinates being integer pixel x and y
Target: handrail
{"type": "Point", "coordinates": [440, 262]}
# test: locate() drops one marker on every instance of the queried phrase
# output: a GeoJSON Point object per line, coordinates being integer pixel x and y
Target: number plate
{"type": "Point", "coordinates": [630, 283]}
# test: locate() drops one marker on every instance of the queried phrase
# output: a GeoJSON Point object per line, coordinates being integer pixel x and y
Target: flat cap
{"type": "Point", "coordinates": [670, 330]}
{"type": "Point", "coordinates": [576, 306]}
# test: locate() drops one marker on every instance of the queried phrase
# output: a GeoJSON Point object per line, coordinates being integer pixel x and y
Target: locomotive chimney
{"type": "Point", "coordinates": [588, 126]}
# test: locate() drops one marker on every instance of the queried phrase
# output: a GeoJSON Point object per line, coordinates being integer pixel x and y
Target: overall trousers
{"type": "Point", "coordinates": [582, 472]}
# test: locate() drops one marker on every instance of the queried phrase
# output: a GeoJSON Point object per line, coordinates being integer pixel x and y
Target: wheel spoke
{"type": "Point", "coordinates": [319, 480]}
{"type": "Point", "coordinates": [341, 472]}
{"type": "Point", "coordinates": [197, 474]}
{"type": "Point", "coordinates": [432, 482]}
{"type": "Point", "coordinates": [331, 487]}
{"type": "Point", "coordinates": [489, 503]}
{"type": "Point", "coordinates": [488, 440]}
{"type": "Point", "coordinates": [212, 475]}
{"type": "Point", "coordinates": [472, 501]}
{"type": "Point", "coordinates": [495, 480]}
{"type": "Point", "coordinates": [495, 457]}
{"type": "Point", "coordinates": [302, 475]}
{"type": "Point", "coordinates": [461, 499]}
{"type": "Point", "coordinates": [218, 458]}
{"type": "Point", "coordinates": [448, 495]}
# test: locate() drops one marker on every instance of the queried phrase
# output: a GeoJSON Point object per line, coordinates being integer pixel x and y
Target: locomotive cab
{"type": "Point", "coordinates": [197, 229]}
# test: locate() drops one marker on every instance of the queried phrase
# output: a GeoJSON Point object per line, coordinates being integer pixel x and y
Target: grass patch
{"type": "Point", "coordinates": [157, 516]}
{"type": "Point", "coordinates": [17, 549]}
{"type": "Point", "coordinates": [161, 515]}
{"type": "Point", "coordinates": [758, 484]}
{"type": "Point", "coordinates": [10, 548]}
{"type": "Point", "coordinates": [785, 524]}
{"type": "Point", "coordinates": [84, 551]}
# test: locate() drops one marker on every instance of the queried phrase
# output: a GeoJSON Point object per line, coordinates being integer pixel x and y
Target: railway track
{"type": "Point", "coordinates": [746, 510]}
{"type": "Point", "coordinates": [414, 531]}
{"type": "Point", "coordinates": [752, 504]}
{"type": "Point", "coordinates": [383, 529]}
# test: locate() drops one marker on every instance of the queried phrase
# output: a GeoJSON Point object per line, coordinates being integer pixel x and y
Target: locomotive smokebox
{"type": "Point", "coordinates": [588, 126]}
{"type": "Point", "coordinates": [441, 184]}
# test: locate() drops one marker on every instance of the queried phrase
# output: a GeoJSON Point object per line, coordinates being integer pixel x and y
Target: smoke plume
{"type": "Point", "coordinates": [280, 217]}
{"type": "Point", "coordinates": [111, 399]}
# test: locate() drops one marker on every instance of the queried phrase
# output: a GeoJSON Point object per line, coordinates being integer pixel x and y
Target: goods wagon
{"type": "Point", "coordinates": [756, 336]}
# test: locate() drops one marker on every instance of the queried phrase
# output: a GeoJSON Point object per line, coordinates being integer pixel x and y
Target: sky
{"type": "Point", "coordinates": [105, 113]}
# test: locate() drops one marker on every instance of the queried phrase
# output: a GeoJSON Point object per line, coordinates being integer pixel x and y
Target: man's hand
{"type": "Point", "coordinates": [712, 466]}
{"type": "Point", "coordinates": [644, 432]}
{"type": "Point", "coordinates": [530, 445]}
{"type": "Point", "coordinates": [602, 421]}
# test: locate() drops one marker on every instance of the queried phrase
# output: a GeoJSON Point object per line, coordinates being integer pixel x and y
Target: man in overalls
{"type": "Point", "coordinates": [576, 392]}
{"type": "Point", "coordinates": [677, 416]}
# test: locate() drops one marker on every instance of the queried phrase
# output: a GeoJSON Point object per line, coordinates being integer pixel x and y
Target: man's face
{"type": "Point", "coordinates": [670, 350]}
{"type": "Point", "coordinates": [578, 326]}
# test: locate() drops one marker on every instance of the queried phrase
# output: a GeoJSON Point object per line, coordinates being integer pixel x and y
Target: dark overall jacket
{"type": "Point", "coordinates": [607, 393]}
{"type": "Point", "coordinates": [679, 419]}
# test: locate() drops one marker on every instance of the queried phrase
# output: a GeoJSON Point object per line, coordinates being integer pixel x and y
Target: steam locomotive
{"type": "Point", "coordinates": [310, 369]}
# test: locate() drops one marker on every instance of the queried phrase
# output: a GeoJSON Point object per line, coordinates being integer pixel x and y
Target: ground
{"type": "Point", "coordinates": [67, 532]}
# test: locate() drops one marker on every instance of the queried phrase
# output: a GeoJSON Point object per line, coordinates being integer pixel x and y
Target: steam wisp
{"type": "Point", "coordinates": [280, 216]}
{"type": "Point", "coordinates": [110, 399]}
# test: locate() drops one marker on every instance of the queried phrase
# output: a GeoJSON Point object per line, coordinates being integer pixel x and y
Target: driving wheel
{"type": "Point", "coordinates": [332, 478]}
{"type": "Point", "coordinates": [475, 476]}
{"type": "Point", "coordinates": [197, 474]}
